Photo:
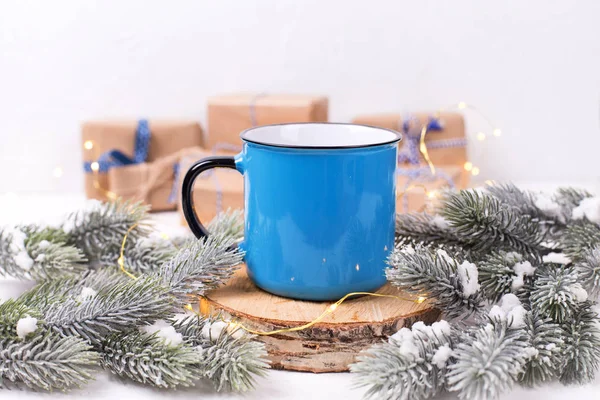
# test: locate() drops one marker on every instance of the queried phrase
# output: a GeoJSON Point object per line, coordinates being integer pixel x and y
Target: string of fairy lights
{"type": "Point", "coordinates": [204, 309]}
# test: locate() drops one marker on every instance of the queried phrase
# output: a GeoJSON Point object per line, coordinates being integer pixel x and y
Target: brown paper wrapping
{"type": "Point", "coordinates": [167, 137]}
{"type": "Point", "coordinates": [417, 192]}
{"type": "Point", "coordinates": [454, 127]}
{"type": "Point", "coordinates": [230, 183]}
{"type": "Point", "coordinates": [229, 115]}
{"type": "Point", "coordinates": [150, 182]}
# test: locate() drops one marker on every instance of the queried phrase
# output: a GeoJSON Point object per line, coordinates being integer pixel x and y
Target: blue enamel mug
{"type": "Point", "coordinates": [319, 204]}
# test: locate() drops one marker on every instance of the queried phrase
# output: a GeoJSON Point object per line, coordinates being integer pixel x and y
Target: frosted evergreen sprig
{"type": "Point", "coordinates": [546, 339]}
{"type": "Point", "coordinates": [569, 198]}
{"type": "Point", "coordinates": [53, 291]}
{"type": "Point", "coordinates": [103, 225]}
{"type": "Point", "coordinates": [578, 238]}
{"type": "Point", "coordinates": [146, 255]}
{"type": "Point", "coordinates": [525, 202]}
{"type": "Point", "coordinates": [11, 311]}
{"type": "Point", "coordinates": [46, 361]}
{"type": "Point", "coordinates": [506, 272]}
{"type": "Point", "coordinates": [581, 351]}
{"type": "Point", "coordinates": [588, 271]}
{"type": "Point", "coordinates": [229, 224]}
{"type": "Point", "coordinates": [230, 358]}
{"type": "Point", "coordinates": [95, 314]}
{"type": "Point", "coordinates": [149, 359]}
{"type": "Point", "coordinates": [556, 293]}
{"type": "Point", "coordinates": [485, 223]}
{"type": "Point", "coordinates": [425, 229]}
{"type": "Point", "coordinates": [199, 266]}
{"type": "Point", "coordinates": [434, 274]}
{"type": "Point", "coordinates": [411, 365]}
{"type": "Point", "coordinates": [488, 361]}
{"type": "Point", "coordinates": [35, 253]}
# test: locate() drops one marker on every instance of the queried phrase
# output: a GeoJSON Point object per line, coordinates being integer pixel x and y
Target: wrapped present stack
{"type": "Point", "coordinates": [137, 159]}
{"type": "Point", "coordinates": [229, 115]}
{"type": "Point", "coordinates": [446, 147]}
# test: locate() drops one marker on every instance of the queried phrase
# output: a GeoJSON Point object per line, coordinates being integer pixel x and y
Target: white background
{"type": "Point", "coordinates": [533, 67]}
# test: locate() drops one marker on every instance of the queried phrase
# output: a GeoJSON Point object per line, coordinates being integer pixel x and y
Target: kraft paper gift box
{"type": "Point", "coordinates": [166, 138]}
{"type": "Point", "coordinates": [152, 182]}
{"type": "Point", "coordinates": [423, 191]}
{"type": "Point", "coordinates": [446, 146]}
{"type": "Point", "coordinates": [230, 114]}
{"type": "Point", "coordinates": [214, 191]}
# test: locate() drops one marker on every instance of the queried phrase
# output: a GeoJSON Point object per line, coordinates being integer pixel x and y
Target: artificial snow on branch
{"type": "Point", "coordinates": [488, 361]}
{"type": "Point", "coordinates": [46, 361]}
{"type": "Point", "coordinates": [98, 313]}
{"type": "Point", "coordinates": [484, 223]}
{"type": "Point", "coordinates": [450, 285]}
{"type": "Point", "coordinates": [30, 253]}
{"type": "Point", "coordinates": [103, 225]}
{"type": "Point", "coordinates": [230, 358]}
{"type": "Point", "coordinates": [411, 365]}
{"type": "Point", "coordinates": [149, 359]}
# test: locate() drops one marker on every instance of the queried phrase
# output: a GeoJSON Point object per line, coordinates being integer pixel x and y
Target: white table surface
{"type": "Point", "coordinates": [279, 384]}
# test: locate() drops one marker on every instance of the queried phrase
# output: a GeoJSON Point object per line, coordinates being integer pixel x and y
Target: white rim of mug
{"type": "Point", "coordinates": [397, 136]}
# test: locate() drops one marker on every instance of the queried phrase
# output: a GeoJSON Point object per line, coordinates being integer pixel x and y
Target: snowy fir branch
{"type": "Point", "coordinates": [506, 272]}
{"type": "Point", "coordinates": [35, 253]}
{"type": "Point", "coordinates": [146, 255]}
{"type": "Point", "coordinates": [103, 225]}
{"type": "Point", "coordinates": [556, 293]}
{"type": "Point", "coordinates": [485, 223]}
{"type": "Point", "coordinates": [150, 359]}
{"type": "Point", "coordinates": [11, 312]}
{"type": "Point", "coordinates": [450, 285]}
{"type": "Point", "coordinates": [488, 361]}
{"type": "Point", "coordinates": [230, 358]}
{"type": "Point", "coordinates": [588, 271]}
{"type": "Point", "coordinates": [546, 339]}
{"type": "Point", "coordinates": [581, 335]}
{"type": "Point", "coordinates": [229, 224]}
{"type": "Point", "coordinates": [95, 314]}
{"type": "Point", "coordinates": [482, 249]}
{"type": "Point", "coordinates": [46, 361]}
{"type": "Point", "coordinates": [199, 266]}
{"type": "Point", "coordinates": [578, 238]}
{"type": "Point", "coordinates": [411, 365]}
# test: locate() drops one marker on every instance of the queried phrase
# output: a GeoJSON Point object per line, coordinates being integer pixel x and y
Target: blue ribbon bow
{"type": "Point", "coordinates": [116, 158]}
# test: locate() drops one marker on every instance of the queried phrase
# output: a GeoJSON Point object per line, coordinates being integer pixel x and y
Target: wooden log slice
{"type": "Point", "coordinates": [328, 346]}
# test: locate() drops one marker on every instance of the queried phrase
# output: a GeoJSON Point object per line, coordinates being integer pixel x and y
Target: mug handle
{"type": "Point", "coordinates": [187, 200]}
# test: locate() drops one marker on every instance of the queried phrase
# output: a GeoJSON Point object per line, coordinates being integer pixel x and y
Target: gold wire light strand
{"type": "Point", "coordinates": [95, 166]}
{"type": "Point", "coordinates": [121, 260]}
{"type": "Point", "coordinates": [329, 310]}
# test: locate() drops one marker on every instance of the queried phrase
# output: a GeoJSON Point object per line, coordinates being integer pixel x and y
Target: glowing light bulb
{"type": "Point", "coordinates": [421, 299]}
{"type": "Point", "coordinates": [164, 236]}
{"type": "Point", "coordinates": [432, 194]}
{"type": "Point", "coordinates": [468, 166]}
{"type": "Point", "coordinates": [475, 171]}
{"type": "Point", "coordinates": [57, 172]}
{"type": "Point", "coordinates": [188, 307]}
{"type": "Point", "coordinates": [480, 136]}
{"type": "Point", "coordinates": [95, 166]}
{"type": "Point", "coordinates": [333, 307]}
{"type": "Point", "coordinates": [88, 145]}
{"type": "Point", "coordinates": [357, 267]}
{"type": "Point", "coordinates": [497, 132]}
{"type": "Point", "coordinates": [462, 105]}
{"type": "Point", "coordinates": [490, 182]}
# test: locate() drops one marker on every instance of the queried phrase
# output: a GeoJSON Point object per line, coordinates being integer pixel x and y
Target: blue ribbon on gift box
{"type": "Point", "coordinates": [116, 158]}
